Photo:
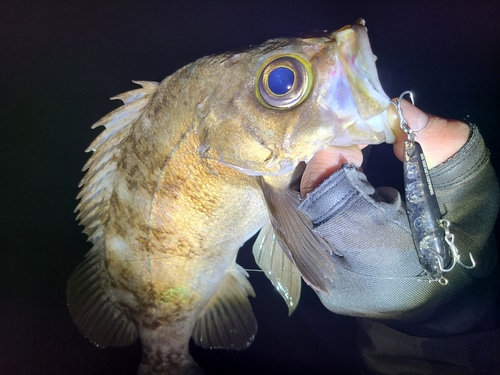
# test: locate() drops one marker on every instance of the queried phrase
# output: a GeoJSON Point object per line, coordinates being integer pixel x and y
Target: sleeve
{"type": "Point", "coordinates": [377, 273]}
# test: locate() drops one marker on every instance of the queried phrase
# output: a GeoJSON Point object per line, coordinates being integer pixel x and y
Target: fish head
{"type": "Point", "coordinates": [294, 97]}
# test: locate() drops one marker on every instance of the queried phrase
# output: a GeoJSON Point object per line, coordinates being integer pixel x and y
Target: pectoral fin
{"type": "Point", "coordinates": [295, 234]}
{"type": "Point", "coordinates": [227, 321]}
{"type": "Point", "coordinates": [278, 268]}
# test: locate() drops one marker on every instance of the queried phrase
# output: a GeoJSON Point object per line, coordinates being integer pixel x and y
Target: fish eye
{"type": "Point", "coordinates": [280, 80]}
{"type": "Point", "coordinates": [283, 82]}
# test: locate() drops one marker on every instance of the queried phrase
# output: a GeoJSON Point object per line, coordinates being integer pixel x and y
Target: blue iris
{"type": "Point", "coordinates": [280, 80]}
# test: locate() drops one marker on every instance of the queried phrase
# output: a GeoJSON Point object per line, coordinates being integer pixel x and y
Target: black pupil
{"type": "Point", "coordinates": [280, 80]}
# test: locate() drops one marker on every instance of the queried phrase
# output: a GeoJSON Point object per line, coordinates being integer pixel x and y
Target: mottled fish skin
{"type": "Point", "coordinates": [184, 174]}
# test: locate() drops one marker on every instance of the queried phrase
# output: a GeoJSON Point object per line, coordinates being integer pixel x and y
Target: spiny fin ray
{"type": "Point", "coordinates": [91, 298]}
{"type": "Point", "coordinates": [98, 181]}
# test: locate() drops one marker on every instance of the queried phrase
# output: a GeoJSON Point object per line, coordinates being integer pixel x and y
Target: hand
{"type": "Point", "coordinates": [376, 272]}
{"type": "Point", "coordinates": [440, 139]}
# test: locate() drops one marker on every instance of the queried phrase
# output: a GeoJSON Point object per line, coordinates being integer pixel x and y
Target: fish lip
{"type": "Point", "coordinates": [372, 73]}
{"type": "Point", "coordinates": [366, 51]}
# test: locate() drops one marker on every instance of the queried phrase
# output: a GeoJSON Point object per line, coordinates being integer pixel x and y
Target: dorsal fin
{"type": "Point", "coordinates": [278, 268]}
{"type": "Point", "coordinates": [91, 298]}
{"type": "Point", "coordinates": [97, 183]}
{"type": "Point", "coordinates": [227, 321]}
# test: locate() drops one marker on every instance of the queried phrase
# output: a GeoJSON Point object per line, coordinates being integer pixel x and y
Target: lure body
{"type": "Point", "coordinates": [423, 212]}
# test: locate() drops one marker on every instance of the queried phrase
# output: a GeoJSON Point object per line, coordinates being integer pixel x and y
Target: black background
{"type": "Point", "coordinates": [61, 60]}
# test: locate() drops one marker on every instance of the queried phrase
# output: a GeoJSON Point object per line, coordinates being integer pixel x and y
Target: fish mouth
{"type": "Point", "coordinates": [366, 51]}
{"type": "Point", "coordinates": [354, 95]}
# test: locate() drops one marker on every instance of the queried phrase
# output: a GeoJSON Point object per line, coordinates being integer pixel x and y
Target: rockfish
{"type": "Point", "coordinates": [189, 169]}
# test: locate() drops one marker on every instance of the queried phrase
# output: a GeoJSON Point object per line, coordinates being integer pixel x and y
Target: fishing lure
{"type": "Point", "coordinates": [433, 240]}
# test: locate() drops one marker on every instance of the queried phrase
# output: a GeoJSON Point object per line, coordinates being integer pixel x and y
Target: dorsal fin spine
{"type": "Point", "coordinates": [97, 183]}
{"type": "Point", "coordinates": [91, 297]}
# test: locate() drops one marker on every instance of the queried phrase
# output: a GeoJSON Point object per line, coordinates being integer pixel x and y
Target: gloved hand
{"type": "Point", "coordinates": [377, 271]}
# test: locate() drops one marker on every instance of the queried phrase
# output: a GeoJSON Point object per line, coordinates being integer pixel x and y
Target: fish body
{"type": "Point", "coordinates": [189, 169]}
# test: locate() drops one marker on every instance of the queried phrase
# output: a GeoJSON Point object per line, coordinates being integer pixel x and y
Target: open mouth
{"type": "Point", "coordinates": [368, 56]}
{"type": "Point", "coordinates": [368, 94]}
{"type": "Point", "coordinates": [354, 94]}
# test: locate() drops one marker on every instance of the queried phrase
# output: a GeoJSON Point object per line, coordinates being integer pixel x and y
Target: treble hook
{"type": "Point", "coordinates": [450, 240]}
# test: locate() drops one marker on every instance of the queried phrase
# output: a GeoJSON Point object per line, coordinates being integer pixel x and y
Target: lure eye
{"type": "Point", "coordinates": [283, 82]}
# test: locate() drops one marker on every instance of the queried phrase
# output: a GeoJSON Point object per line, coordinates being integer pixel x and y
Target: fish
{"type": "Point", "coordinates": [189, 169]}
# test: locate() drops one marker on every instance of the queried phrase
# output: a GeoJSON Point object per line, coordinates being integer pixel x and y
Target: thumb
{"type": "Point", "coordinates": [440, 138]}
{"type": "Point", "coordinates": [325, 162]}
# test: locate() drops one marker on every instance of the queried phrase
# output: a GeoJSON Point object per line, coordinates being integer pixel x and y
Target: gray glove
{"type": "Point", "coordinates": [377, 271]}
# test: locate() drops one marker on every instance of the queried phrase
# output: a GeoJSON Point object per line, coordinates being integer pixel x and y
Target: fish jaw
{"type": "Point", "coordinates": [351, 96]}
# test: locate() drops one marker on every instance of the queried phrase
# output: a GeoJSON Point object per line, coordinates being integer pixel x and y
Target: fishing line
{"type": "Point", "coordinates": [420, 277]}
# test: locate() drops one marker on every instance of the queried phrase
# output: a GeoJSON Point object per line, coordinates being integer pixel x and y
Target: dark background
{"type": "Point", "coordinates": [62, 60]}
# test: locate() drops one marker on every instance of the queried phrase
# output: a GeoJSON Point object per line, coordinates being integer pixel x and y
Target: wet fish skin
{"type": "Point", "coordinates": [187, 171]}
